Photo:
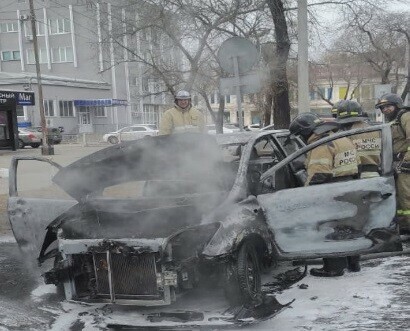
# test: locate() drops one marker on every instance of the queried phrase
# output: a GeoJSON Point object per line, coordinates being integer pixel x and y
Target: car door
{"type": "Point", "coordinates": [335, 218]}
{"type": "Point", "coordinates": [140, 132]}
{"type": "Point", "coordinates": [127, 134]}
{"type": "Point", "coordinates": [34, 202]}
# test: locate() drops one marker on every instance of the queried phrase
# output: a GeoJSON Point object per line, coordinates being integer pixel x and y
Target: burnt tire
{"type": "Point", "coordinates": [243, 281]}
{"type": "Point", "coordinates": [113, 140]}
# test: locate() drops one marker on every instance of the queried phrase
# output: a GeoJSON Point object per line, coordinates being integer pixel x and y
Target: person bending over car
{"type": "Point", "coordinates": [391, 105]}
{"type": "Point", "coordinates": [331, 162]}
{"type": "Point", "coordinates": [182, 117]}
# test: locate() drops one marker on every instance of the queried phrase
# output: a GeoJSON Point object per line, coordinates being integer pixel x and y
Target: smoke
{"type": "Point", "coordinates": [162, 184]}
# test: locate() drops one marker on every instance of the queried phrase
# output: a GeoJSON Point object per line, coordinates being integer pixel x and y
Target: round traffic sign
{"type": "Point", "coordinates": [242, 49]}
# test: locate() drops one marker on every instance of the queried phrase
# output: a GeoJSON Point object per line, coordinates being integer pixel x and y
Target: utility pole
{"type": "Point", "coordinates": [303, 64]}
{"type": "Point", "coordinates": [46, 149]}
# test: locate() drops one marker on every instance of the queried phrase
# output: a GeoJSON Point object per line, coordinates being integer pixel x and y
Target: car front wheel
{"type": "Point", "coordinates": [113, 140]}
{"type": "Point", "coordinates": [243, 280]}
{"type": "Point", "coordinates": [21, 144]}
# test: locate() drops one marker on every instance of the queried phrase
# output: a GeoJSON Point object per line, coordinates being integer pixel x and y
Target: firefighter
{"type": "Point", "coordinates": [349, 115]}
{"type": "Point", "coordinates": [391, 105]}
{"type": "Point", "coordinates": [331, 162]}
{"type": "Point", "coordinates": [368, 145]}
{"type": "Point", "coordinates": [182, 117]}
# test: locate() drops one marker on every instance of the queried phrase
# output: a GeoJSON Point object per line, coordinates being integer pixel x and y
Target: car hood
{"type": "Point", "coordinates": [188, 156]}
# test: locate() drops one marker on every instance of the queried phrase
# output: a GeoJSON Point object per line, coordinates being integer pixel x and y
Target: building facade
{"type": "Point", "coordinates": [90, 82]}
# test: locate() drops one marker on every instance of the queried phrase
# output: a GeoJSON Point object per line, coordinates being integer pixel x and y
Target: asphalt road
{"type": "Point", "coordinates": [379, 300]}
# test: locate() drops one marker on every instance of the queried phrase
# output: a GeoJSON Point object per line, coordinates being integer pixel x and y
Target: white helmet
{"type": "Point", "coordinates": [183, 95]}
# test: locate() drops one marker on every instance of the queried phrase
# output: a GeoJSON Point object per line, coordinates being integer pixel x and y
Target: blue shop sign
{"type": "Point", "coordinates": [21, 98]}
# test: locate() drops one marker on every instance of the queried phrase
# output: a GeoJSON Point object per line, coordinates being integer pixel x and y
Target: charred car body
{"type": "Point", "coordinates": [162, 214]}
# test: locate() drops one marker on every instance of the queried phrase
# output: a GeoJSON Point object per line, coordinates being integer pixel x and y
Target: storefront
{"type": "Point", "coordinates": [8, 116]}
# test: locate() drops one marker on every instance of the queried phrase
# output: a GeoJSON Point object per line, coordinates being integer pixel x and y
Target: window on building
{"type": "Point", "coordinates": [99, 111]}
{"type": "Point", "coordinates": [329, 93]}
{"type": "Point", "coordinates": [145, 84]}
{"type": "Point", "coordinates": [59, 25]}
{"type": "Point", "coordinates": [40, 26]}
{"type": "Point", "coordinates": [10, 55]}
{"type": "Point", "coordinates": [42, 56]}
{"type": "Point", "coordinates": [62, 54]}
{"type": "Point", "coordinates": [19, 110]}
{"type": "Point", "coordinates": [66, 108]}
{"type": "Point", "coordinates": [49, 108]}
{"type": "Point", "coordinates": [367, 92]}
{"type": "Point", "coordinates": [227, 99]}
{"type": "Point", "coordinates": [8, 27]}
{"type": "Point", "coordinates": [342, 92]}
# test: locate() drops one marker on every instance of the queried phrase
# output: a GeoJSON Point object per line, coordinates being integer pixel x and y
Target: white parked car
{"type": "Point", "coordinates": [253, 127]}
{"type": "Point", "coordinates": [131, 133]}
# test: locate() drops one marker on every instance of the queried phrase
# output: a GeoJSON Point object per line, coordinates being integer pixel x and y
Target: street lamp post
{"type": "Point", "coordinates": [46, 149]}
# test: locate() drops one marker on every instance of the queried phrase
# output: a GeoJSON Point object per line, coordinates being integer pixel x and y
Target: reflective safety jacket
{"type": "Point", "coordinates": [176, 120]}
{"type": "Point", "coordinates": [331, 161]}
{"type": "Point", "coordinates": [401, 136]}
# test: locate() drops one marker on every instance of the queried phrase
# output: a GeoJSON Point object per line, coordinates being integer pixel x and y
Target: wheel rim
{"type": "Point", "coordinates": [113, 140]}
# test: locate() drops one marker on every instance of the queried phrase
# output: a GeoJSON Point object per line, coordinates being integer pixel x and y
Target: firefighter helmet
{"type": "Point", "coordinates": [183, 95]}
{"type": "Point", "coordinates": [304, 124]}
{"type": "Point", "coordinates": [389, 99]}
{"type": "Point", "coordinates": [349, 108]}
{"type": "Point", "coordinates": [335, 108]}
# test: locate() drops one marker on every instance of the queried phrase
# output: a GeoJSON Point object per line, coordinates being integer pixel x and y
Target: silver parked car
{"type": "Point", "coordinates": [28, 137]}
{"type": "Point", "coordinates": [133, 132]}
{"type": "Point", "coordinates": [158, 216]}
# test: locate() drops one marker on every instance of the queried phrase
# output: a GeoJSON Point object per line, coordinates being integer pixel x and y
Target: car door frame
{"type": "Point", "coordinates": [273, 212]}
{"type": "Point", "coordinates": [29, 217]}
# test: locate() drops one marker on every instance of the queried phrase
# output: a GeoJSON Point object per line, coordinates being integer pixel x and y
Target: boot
{"type": "Point", "coordinates": [332, 267]}
{"type": "Point", "coordinates": [353, 263]}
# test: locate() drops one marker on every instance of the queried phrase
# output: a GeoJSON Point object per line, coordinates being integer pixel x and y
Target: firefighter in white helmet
{"type": "Point", "coordinates": [182, 117]}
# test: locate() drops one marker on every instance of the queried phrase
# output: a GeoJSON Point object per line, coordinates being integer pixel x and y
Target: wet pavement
{"type": "Point", "coordinates": [27, 304]}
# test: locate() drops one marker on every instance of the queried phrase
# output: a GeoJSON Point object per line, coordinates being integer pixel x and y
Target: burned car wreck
{"type": "Point", "coordinates": [161, 215]}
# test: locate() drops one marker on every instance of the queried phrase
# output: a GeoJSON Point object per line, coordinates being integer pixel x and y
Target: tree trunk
{"type": "Point", "coordinates": [220, 115]}
{"type": "Point", "coordinates": [281, 111]}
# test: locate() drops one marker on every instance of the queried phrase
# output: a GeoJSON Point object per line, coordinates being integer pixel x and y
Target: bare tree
{"type": "Point", "coordinates": [191, 32]}
{"type": "Point", "coordinates": [380, 39]}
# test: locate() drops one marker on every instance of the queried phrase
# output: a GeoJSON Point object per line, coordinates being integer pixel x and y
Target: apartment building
{"type": "Point", "coordinates": [90, 83]}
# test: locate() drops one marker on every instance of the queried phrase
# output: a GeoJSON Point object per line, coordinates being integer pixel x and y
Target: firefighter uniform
{"type": "Point", "coordinates": [335, 161]}
{"type": "Point", "coordinates": [401, 149]}
{"type": "Point", "coordinates": [176, 120]}
{"type": "Point", "coordinates": [368, 146]}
